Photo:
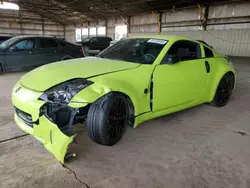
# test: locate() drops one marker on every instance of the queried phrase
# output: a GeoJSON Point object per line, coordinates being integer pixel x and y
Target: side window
{"type": "Point", "coordinates": [94, 40]}
{"type": "Point", "coordinates": [62, 43]}
{"type": "Point", "coordinates": [47, 43]}
{"type": "Point", "coordinates": [25, 44]}
{"type": "Point", "coordinates": [182, 51]}
{"type": "Point", "coordinates": [208, 52]}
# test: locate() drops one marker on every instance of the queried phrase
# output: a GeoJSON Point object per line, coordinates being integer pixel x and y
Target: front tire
{"type": "Point", "coordinates": [224, 90]}
{"type": "Point", "coordinates": [107, 119]}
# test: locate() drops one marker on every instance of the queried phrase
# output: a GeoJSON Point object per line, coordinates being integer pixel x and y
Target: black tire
{"type": "Point", "coordinates": [224, 90]}
{"type": "Point", "coordinates": [107, 119]}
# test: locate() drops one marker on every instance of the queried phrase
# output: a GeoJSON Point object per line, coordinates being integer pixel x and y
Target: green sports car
{"type": "Point", "coordinates": [134, 80]}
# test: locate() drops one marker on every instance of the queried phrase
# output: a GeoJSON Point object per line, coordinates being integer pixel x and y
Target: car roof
{"type": "Point", "coordinates": [170, 37]}
{"type": "Point", "coordinates": [99, 37]}
{"type": "Point", "coordinates": [32, 36]}
{"type": "Point", "coordinates": [164, 37]}
{"type": "Point", "coordinates": [4, 36]}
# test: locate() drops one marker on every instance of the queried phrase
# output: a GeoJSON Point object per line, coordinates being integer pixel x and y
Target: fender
{"type": "Point", "coordinates": [223, 67]}
{"type": "Point", "coordinates": [118, 82]}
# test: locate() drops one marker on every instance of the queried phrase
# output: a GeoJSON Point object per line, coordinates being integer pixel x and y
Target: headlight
{"type": "Point", "coordinates": [64, 92]}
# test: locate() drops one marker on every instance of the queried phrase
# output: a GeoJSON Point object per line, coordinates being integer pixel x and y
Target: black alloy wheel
{"type": "Point", "coordinates": [108, 118]}
{"type": "Point", "coordinates": [117, 118]}
{"type": "Point", "coordinates": [224, 90]}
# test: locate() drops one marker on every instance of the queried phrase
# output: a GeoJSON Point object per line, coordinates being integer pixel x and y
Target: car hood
{"type": "Point", "coordinates": [47, 76]}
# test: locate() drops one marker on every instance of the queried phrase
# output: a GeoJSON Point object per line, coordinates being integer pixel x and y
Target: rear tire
{"type": "Point", "coordinates": [107, 119]}
{"type": "Point", "coordinates": [223, 91]}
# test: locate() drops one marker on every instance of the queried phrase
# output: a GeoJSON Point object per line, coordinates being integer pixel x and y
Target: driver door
{"type": "Point", "coordinates": [181, 78]}
{"type": "Point", "coordinates": [21, 55]}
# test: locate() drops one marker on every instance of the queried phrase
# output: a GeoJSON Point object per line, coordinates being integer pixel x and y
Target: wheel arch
{"type": "Point", "coordinates": [91, 94]}
{"type": "Point", "coordinates": [217, 81]}
{"type": "Point", "coordinates": [131, 108]}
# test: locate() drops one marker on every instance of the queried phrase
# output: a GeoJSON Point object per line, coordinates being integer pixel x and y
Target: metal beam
{"type": "Point", "coordinates": [21, 24]}
{"type": "Point", "coordinates": [128, 25]}
{"type": "Point", "coordinates": [159, 24]}
{"type": "Point", "coordinates": [106, 27]}
{"type": "Point", "coordinates": [64, 32]}
{"type": "Point", "coordinates": [43, 25]}
{"type": "Point", "coordinates": [206, 17]}
{"type": "Point", "coordinates": [33, 29]}
{"type": "Point", "coordinates": [158, 18]}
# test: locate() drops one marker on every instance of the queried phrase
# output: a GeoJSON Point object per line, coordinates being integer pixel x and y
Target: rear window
{"type": "Point", "coordinates": [62, 43]}
{"type": "Point", "coordinates": [208, 52]}
{"type": "Point", "coordinates": [47, 43]}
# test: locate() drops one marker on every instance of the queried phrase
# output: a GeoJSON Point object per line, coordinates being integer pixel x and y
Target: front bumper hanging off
{"type": "Point", "coordinates": [33, 117]}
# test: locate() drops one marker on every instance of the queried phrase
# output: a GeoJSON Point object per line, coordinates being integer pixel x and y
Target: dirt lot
{"type": "Point", "coordinates": [198, 148]}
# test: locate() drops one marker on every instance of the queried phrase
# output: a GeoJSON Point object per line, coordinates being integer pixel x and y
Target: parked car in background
{"type": "Point", "coordinates": [94, 45]}
{"type": "Point", "coordinates": [114, 41]}
{"type": "Point", "coordinates": [4, 38]}
{"type": "Point", "coordinates": [28, 52]}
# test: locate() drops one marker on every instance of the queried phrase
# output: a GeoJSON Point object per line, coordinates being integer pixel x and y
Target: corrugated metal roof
{"type": "Point", "coordinates": [77, 11]}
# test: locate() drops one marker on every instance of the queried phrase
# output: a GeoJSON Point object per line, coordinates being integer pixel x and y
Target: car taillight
{"type": "Point", "coordinates": [81, 50]}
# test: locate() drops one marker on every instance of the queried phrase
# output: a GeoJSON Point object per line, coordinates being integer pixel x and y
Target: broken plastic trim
{"type": "Point", "coordinates": [64, 116]}
{"type": "Point", "coordinates": [65, 91]}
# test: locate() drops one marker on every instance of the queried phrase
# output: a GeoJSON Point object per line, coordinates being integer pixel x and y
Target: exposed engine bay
{"type": "Point", "coordinates": [64, 116]}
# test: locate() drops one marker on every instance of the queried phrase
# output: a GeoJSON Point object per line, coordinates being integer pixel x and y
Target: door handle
{"type": "Point", "coordinates": [207, 67]}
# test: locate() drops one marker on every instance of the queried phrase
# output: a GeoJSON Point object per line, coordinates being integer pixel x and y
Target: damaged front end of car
{"type": "Point", "coordinates": [57, 107]}
{"type": "Point", "coordinates": [50, 116]}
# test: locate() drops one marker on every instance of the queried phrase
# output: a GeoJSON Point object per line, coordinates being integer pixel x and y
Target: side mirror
{"type": "Point", "coordinates": [170, 60]}
{"type": "Point", "coordinates": [13, 48]}
{"type": "Point", "coordinates": [173, 59]}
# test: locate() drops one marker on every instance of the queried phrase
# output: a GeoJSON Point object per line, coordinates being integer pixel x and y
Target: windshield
{"type": "Point", "coordinates": [7, 43]}
{"type": "Point", "coordinates": [136, 50]}
{"type": "Point", "coordinates": [86, 39]}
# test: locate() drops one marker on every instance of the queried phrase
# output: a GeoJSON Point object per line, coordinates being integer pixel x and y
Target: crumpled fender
{"type": "Point", "coordinates": [88, 95]}
{"type": "Point", "coordinates": [118, 82]}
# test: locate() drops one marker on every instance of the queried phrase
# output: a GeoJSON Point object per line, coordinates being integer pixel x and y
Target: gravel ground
{"type": "Point", "coordinates": [201, 147]}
